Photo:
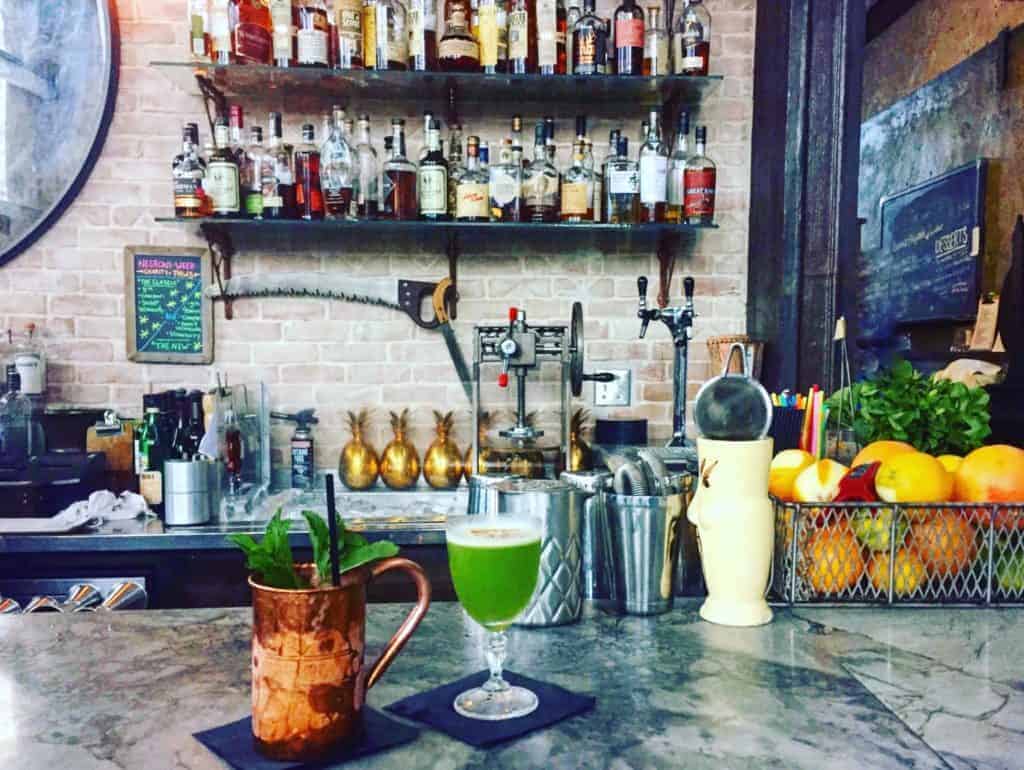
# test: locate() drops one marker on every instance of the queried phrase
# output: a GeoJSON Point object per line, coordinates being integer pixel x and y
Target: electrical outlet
{"type": "Point", "coordinates": [614, 393]}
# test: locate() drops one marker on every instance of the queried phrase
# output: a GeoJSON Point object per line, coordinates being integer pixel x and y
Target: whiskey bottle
{"type": "Point", "coordinates": [250, 174]}
{"type": "Point", "coordinates": [505, 185]}
{"type": "Point", "coordinates": [282, 20]}
{"type": "Point", "coordinates": [398, 197]}
{"type": "Point", "coordinates": [472, 195]}
{"type": "Point", "coordinates": [677, 169]}
{"type": "Point", "coordinates": [488, 36]}
{"type": "Point", "coordinates": [432, 178]}
{"type": "Point", "coordinates": [590, 40]}
{"type": "Point", "coordinates": [622, 187]}
{"type": "Point", "coordinates": [577, 188]}
{"type": "Point", "coordinates": [278, 176]}
{"type": "Point", "coordinates": [428, 118]}
{"type": "Point", "coordinates": [691, 43]}
{"type": "Point", "coordinates": [422, 35]}
{"type": "Point", "coordinates": [311, 33]}
{"type": "Point", "coordinates": [521, 56]}
{"type": "Point", "coordinates": [540, 183]}
{"type": "Point", "coordinates": [653, 174]}
{"type": "Point", "coordinates": [700, 182]}
{"type": "Point", "coordinates": [656, 60]}
{"type": "Point", "coordinates": [188, 171]}
{"type": "Point", "coordinates": [199, 45]}
{"type": "Point", "coordinates": [367, 189]}
{"type": "Point", "coordinates": [455, 166]}
{"type": "Point", "coordinates": [309, 196]}
{"type": "Point", "coordinates": [458, 50]}
{"type": "Point", "coordinates": [348, 18]}
{"type": "Point", "coordinates": [222, 174]}
{"type": "Point", "coordinates": [223, 14]}
{"type": "Point", "coordinates": [561, 25]}
{"type": "Point", "coordinates": [572, 15]}
{"type": "Point", "coordinates": [629, 39]}
{"type": "Point", "coordinates": [337, 176]}
{"type": "Point", "coordinates": [546, 33]}
{"type": "Point", "coordinates": [253, 32]}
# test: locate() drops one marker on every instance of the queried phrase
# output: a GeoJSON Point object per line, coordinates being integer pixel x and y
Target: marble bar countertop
{"type": "Point", "coordinates": [817, 688]}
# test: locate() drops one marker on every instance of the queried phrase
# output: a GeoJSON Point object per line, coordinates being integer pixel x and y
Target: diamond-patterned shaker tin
{"type": "Point", "coordinates": [558, 598]}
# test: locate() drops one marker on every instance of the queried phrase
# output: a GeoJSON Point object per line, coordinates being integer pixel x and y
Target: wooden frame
{"type": "Point", "coordinates": [206, 273]}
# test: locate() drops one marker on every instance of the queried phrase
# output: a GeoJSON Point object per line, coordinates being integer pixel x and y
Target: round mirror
{"type": "Point", "coordinates": [58, 83]}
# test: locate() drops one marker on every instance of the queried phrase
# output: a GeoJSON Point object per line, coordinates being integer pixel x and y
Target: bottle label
{"type": "Point", "coordinates": [284, 30]}
{"type": "Point", "coordinates": [187, 193]}
{"type": "Point", "coordinates": [272, 201]}
{"type": "Point", "coordinates": [488, 35]}
{"type": "Point", "coordinates": [349, 21]}
{"type": "Point", "coordinates": [417, 40]}
{"type": "Point", "coordinates": [392, 34]}
{"type": "Point", "coordinates": [369, 36]}
{"type": "Point", "coordinates": [458, 48]}
{"type": "Point", "coordinates": [653, 178]}
{"type": "Point", "coordinates": [303, 470]}
{"type": "Point", "coordinates": [675, 186]}
{"type": "Point", "coordinates": [588, 51]}
{"type": "Point", "coordinates": [220, 25]}
{"type": "Point", "coordinates": [253, 43]}
{"type": "Point", "coordinates": [151, 487]}
{"type": "Point", "coordinates": [699, 200]}
{"type": "Point", "coordinates": [547, 26]}
{"type": "Point", "coordinates": [575, 198]}
{"type": "Point", "coordinates": [629, 33]}
{"type": "Point", "coordinates": [502, 16]}
{"type": "Point", "coordinates": [471, 201]}
{"type": "Point", "coordinates": [693, 62]}
{"type": "Point", "coordinates": [504, 188]}
{"type": "Point", "coordinates": [433, 188]}
{"type": "Point", "coordinates": [540, 190]}
{"type": "Point", "coordinates": [254, 203]}
{"type": "Point", "coordinates": [623, 181]}
{"type": "Point", "coordinates": [198, 22]}
{"type": "Point", "coordinates": [222, 187]}
{"type": "Point", "coordinates": [312, 45]}
{"type": "Point", "coordinates": [32, 373]}
{"type": "Point", "coordinates": [517, 35]}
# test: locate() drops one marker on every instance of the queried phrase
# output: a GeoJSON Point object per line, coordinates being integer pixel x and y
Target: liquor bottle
{"type": "Point", "coordinates": [517, 140]}
{"type": "Point", "coordinates": [391, 35]}
{"type": "Point", "coordinates": [16, 444]}
{"type": "Point", "coordinates": [428, 118]}
{"type": "Point", "coordinates": [398, 196]}
{"type": "Point", "coordinates": [348, 18]}
{"type": "Point", "coordinates": [309, 196]}
{"type": "Point", "coordinates": [653, 174]}
{"type": "Point", "coordinates": [505, 181]}
{"type": "Point", "coordinates": [232, 450]}
{"type": "Point", "coordinates": [199, 44]}
{"type": "Point", "coordinates": [596, 180]}
{"type": "Point", "coordinates": [422, 21]}
{"type": "Point", "coordinates": [501, 12]}
{"type": "Point", "coordinates": [540, 182]}
{"type": "Point", "coordinates": [484, 154]}
{"type": "Point", "coordinates": [250, 174]}
{"type": "Point", "coordinates": [622, 187]}
{"type": "Point", "coordinates": [572, 15]}
{"type": "Point", "coordinates": [521, 55]}
{"type": "Point", "coordinates": [312, 29]}
{"type": "Point", "coordinates": [337, 173]}
{"type": "Point", "coordinates": [194, 429]}
{"type": "Point", "coordinates": [561, 25]}
{"type": "Point", "coordinates": [677, 169]}
{"type": "Point", "coordinates": [367, 190]}
{"type": "Point", "coordinates": [432, 178]}
{"type": "Point", "coordinates": [691, 43]}
{"type": "Point", "coordinates": [152, 453]}
{"type": "Point", "coordinates": [590, 41]}
{"type": "Point", "coordinates": [629, 38]}
{"type": "Point", "coordinates": [577, 188]}
{"type": "Point", "coordinates": [188, 171]}
{"type": "Point", "coordinates": [282, 21]}
{"type": "Point", "coordinates": [455, 166]}
{"type": "Point", "coordinates": [549, 140]}
{"type": "Point", "coordinates": [222, 21]}
{"type": "Point", "coordinates": [253, 32]}
{"type": "Point", "coordinates": [236, 122]}
{"type": "Point", "coordinates": [146, 434]}
{"type": "Point", "coordinates": [488, 35]}
{"type": "Point", "coordinates": [472, 196]}
{"type": "Point", "coordinates": [458, 50]}
{"type": "Point", "coordinates": [176, 450]}
{"type": "Point", "coordinates": [545, 23]}
{"type": "Point", "coordinates": [656, 61]}
{"type": "Point", "coordinates": [278, 176]}
{"type": "Point", "coordinates": [222, 174]}
{"type": "Point", "coordinates": [699, 185]}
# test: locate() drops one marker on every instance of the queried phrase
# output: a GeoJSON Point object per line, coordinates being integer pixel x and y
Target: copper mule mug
{"type": "Point", "coordinates": [309, 682]}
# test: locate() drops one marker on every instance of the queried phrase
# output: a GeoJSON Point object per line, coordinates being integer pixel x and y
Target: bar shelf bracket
{"type": "Point", "coordinates": [222, 249]}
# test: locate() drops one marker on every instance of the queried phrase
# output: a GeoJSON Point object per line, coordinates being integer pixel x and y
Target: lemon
{"type": "Point", "coordinates": [819, 483]}
{"type": "Point", "coordinates": [913, 477]}
{"type": "Point", "coordinates": [950, 462]}
{"type": "Point", "coordinates": [785, 467]}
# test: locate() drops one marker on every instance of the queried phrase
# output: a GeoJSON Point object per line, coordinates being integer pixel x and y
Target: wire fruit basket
{"type": "Point", "coordinates": [899, 554]}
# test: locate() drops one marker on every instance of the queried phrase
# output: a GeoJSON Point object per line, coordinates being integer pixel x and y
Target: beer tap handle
{"type": "Point", "coordinates": [688, 284]}
{"type": "Point", "coordinates": [645, 316]}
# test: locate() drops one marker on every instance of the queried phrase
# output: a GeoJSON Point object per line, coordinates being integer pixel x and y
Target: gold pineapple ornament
{"type": "Point", "coordinates": [442, 465]}
{"type": "Point", "coordinates": [358, 465]}
{"type": "Point", "coordinates": [581, 457]}
{"type": "Point", "coordinates": [490, 460]}
{"type": "Point", "coordinates": [400, 464]}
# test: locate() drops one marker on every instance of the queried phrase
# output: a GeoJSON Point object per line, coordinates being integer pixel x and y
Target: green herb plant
{"type": "Point", "coordinates": [271, 558]}
{"type": "Point", "coordinates": [936, 417]}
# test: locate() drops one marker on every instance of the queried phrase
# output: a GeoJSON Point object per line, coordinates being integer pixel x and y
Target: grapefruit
{"type": "Point", "coordinates": [945, 542]}
{"type": "Point", "coordinates": [880, 451]}
{"type": "Point", "coordinates": [991, 474]}
{"type": "Point", "coordinates": [908, 572]}
{"type": "Point", "coordinates": [832, 559]}
{"type": "Point", "coordinates": [785, 467]}
{"type": "Point", "coordinates": [819, 483]}
{"type": "Point", "coordinates": [913, 477]}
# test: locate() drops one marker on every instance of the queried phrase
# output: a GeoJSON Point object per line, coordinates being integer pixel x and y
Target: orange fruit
{"type": "Point", "coordinates": [913, 477]}
{"type": "Point", "coordinates": [950, 462]}
{"type": "Point", "coordinates": [908, 573]}
{"type": "Point", "coordinates": [880, 451]}
{"type": "Point", "coordinates": [945, 542]}
{"type": "Point", "coordinates": [991, 474]}
{"type": "Point", "coordinates": [785, 467]}
{"type": "Point", "coordinates": [819, 483]}
{"type": "Point", "coordinates": [833, 560]}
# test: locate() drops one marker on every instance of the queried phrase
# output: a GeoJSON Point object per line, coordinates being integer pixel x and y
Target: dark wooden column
{"type": "Point", "coordinates": [808, 64]}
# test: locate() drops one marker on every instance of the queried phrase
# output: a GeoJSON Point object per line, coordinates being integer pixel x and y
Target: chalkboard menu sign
{"type": "Point", "coordinates": [927, 266]}
{"type": "Point", "coordinates": [168, 318]}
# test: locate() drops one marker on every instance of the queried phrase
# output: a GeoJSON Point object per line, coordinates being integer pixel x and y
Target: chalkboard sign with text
{"type": "Point", "coordinates": [169, 320]}
{"type": "Point", "coordinates": [927, 266]}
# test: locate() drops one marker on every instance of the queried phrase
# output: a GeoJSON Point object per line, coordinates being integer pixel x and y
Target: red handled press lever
{"type": "Point", "coordinates": [508, 348]}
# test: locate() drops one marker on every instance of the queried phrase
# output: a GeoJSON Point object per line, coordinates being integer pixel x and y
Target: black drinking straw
{"type": "Point", "coordinates": [332, 528]}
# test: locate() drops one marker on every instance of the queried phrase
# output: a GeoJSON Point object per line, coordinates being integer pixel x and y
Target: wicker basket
{"type": "Point", "coordinates": [718, 351]}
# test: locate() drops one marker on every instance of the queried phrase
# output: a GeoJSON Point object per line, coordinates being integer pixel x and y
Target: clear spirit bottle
{"type": "Point", "coordinates": [188, 171]}
{"type": "Point", "coordinates": [590, 42]}
{"type": "Point", "coordinates": [472, 195]}
{"type": "Point", "coordinates": [250, 174]}
{"type": "Point", "coordinates": [540, 183]}
{"type": "Point", "coordinates": [577, 188]}
{"type": "Point", "coordinates": [422, 21]}
{"type": "Point", "coordinates": [348, 19]}
{"type": "Point", "coordinates": [199, 30]}
{"type": "Point", "coordinates": [432, 178]}
{"type": "Point", "coordinates": [15, 422]}
{"type": "Point", "coordinates": [545, 24]}
{"type": "Point", "coordinates": [656, 59]}
{"type": "Point", "coordinates": [521, 56]}
{"type": "Point", "coordinates": [691, 43]}
{"type": "Point", "coordinates": [398, 196]}
{"type": "Point", "coordinates": [622, 187]}
{"type": "Point", "coordinates": [677, 169]}
{"type": "Point", "coordinates": [700, 182]}
{"type": "Point", "coordinates": [505, 185]}
{"type": "Point", "coordinates": [279, 178]}
{"type": "Point", "coordinates": [367, 186]}
{"type": "Point", "coordinates": [222, 21]}
{"type": "Point", "coordinates": [653, 174]}
{"type": "Point", "coordinates": [337, 171]}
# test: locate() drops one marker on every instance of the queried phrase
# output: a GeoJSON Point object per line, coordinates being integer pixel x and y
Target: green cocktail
{"type": "Point", "coordinates": [494, 561]}
{"type": "Point", "coordinates": [494, 571]}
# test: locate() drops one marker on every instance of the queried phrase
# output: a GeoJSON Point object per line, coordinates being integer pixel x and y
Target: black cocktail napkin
{"type": "Point", "coordinates": [434, 708]}
{"type": "Point", "coordinates": [233, 743]}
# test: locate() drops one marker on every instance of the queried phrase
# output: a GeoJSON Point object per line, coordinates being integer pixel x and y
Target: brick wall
{"type": "Point", "coordinates": [338, 356]}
